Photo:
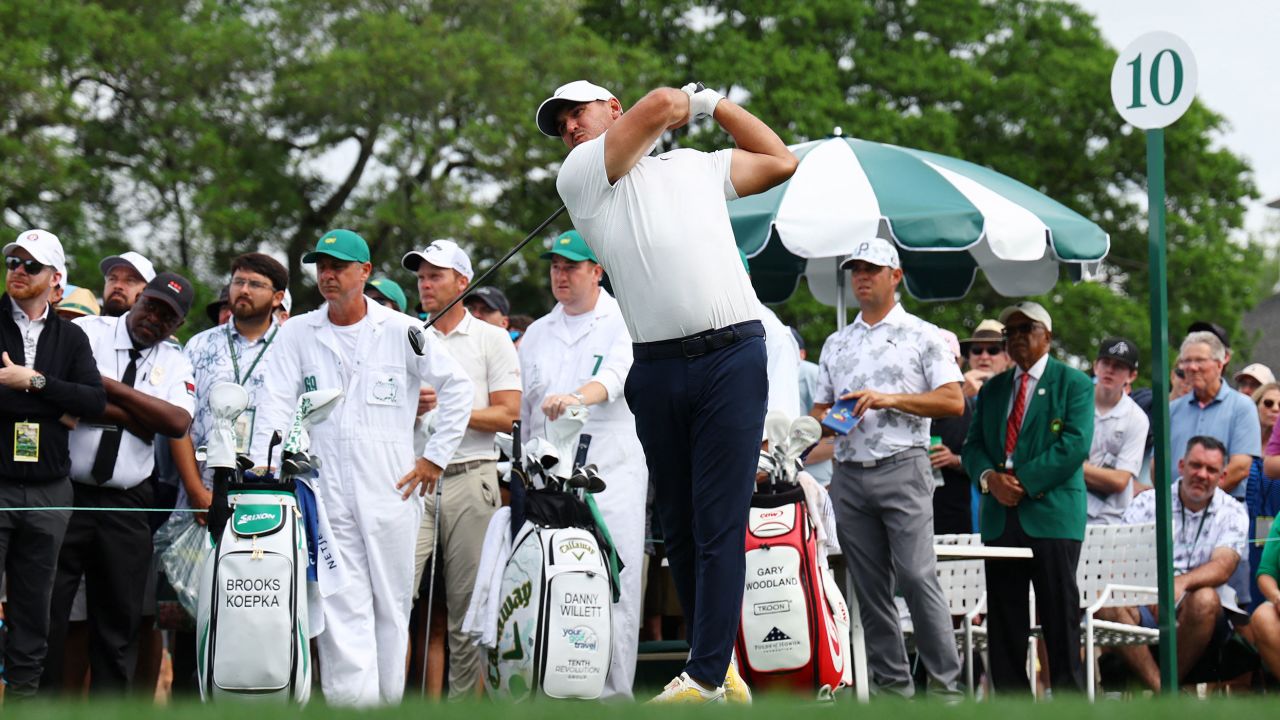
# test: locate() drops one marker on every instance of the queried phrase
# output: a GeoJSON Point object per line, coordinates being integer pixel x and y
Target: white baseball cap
{"type": "Point", "coordinates": [44, 247]}
{"type": "Point", "coordinates": [1258, 372]}
{"type": "Point", "coordinates": [287, 302]}
{"type": "Point", "coordinates": [578, 91]}
{"type": "Point", "coordinates": [876, 251]}
{"type": "Point", "coordinates": [134, 260]}
{"type": "Point", "coordinates": [1033, 310]}
{"type": "Point", "coordinates": [441, 253]}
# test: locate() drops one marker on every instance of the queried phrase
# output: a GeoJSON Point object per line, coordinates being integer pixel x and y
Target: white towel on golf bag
{"type": "Point", "coordinates": [481, 622]}
{"type": "Point", "coordinates": [331, 575]}
{"type": "Point", "coordinates": [818, 502]}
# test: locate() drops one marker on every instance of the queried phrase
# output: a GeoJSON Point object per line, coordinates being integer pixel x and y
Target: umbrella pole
{"type": "Point", "coordinates": [841, 311]}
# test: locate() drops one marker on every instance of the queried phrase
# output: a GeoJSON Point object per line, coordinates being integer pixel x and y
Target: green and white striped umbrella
{"type": "Point", "coordinates": [948, 218]}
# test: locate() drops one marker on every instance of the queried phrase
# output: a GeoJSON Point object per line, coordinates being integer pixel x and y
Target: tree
{"type": "Point", "coordinates": [1019, 85]}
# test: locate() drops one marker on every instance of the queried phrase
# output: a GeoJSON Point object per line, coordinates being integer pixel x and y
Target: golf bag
{"type": "Point", "coordinates": [252, 636]}
{"type": "Point", "coordinates": [794, 633]}
{"type": "Point", "coordinates": [555, 605]}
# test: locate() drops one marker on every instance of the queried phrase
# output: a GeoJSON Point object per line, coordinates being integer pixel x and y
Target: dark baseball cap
{"type": "Point", "coordinates": [173, 290]}
{"type": "Point", "coordinates": [1210, 327]}
{"type": "Point", "coordinates": [1121, 349]}
{"type": "Point", "coordinates": [215, 307]}
{"type": "Point", "coordinates": [491, 296]}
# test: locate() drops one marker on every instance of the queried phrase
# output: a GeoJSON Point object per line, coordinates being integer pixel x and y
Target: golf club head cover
{"type": "Point", "coordinates": [702, 101]}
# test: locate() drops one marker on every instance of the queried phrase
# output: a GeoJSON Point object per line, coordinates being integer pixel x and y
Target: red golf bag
{"type": "Point", "coordinates": [794, 632]}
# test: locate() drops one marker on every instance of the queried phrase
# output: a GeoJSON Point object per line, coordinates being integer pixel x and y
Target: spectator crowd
{"type": "Point", "coordinates": [103, 413]}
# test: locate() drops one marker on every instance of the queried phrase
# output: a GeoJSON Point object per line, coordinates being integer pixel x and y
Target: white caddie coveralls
{"type": "Point", "coordinates": [365, 446]}
{"type": "Point", "coordinates": [554, 361]}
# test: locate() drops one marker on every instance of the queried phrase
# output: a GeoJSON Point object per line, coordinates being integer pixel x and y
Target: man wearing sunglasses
{"type": "Point", "coordinates": [46, 372]}
{"type": "Point", "coordinates": [1119, 433]}
{"type": "Point", "coordinates": [1026, 449]}
{"type": "Point", "coordinates": [150, 392]}
{"type": "Point", "coordinates": [985, 354]}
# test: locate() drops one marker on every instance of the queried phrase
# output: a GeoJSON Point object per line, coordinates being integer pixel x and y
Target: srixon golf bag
{"type": "Point", "coordinates": [252, 635]}
{"type": "Point", "coordinates": [794, 633]}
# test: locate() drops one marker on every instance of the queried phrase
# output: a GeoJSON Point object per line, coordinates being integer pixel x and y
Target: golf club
{"type": "Point", "coordinates": [431, 579]}
{"type": "Point", "coordinates": [492, 269]}
{"type": "Point", "coordinates": [776, 427]}
{"type": "Point", "coordinates": [276, 439]}
{"type": "Point", "coordinates": [804, 433]}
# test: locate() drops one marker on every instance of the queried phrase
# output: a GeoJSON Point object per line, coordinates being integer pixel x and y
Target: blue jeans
{"type": "Point", "coordinates": [700, 421]}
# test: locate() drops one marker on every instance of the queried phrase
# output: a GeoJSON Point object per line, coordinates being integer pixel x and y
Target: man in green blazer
{"type": "Point", "coordinates": [1026, 448]}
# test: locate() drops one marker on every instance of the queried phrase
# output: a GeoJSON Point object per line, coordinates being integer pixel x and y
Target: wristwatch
{"type": "Point", "coordinates": [38, 381]}
{"type": "Point", "coordinates": [582, 399]}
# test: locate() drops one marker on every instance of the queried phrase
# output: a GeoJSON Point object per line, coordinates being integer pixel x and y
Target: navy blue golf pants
{"type": "Point", "coordinates": [700, 421]}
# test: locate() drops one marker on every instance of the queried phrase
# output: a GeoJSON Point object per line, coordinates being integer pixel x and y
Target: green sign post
{"type": "Point", "coordinates": [1152, 84]}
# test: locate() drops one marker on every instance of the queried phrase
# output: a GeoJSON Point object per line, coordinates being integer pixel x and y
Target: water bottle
{"type": "Point", "coordinates": [938, 480]}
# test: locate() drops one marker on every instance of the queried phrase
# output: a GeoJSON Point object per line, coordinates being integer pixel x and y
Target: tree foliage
{"type": "Point", "coordinates": [197, 130]}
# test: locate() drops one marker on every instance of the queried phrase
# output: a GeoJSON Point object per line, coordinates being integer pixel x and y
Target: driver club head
{"type": "Point", "coordinates": [417, 340]}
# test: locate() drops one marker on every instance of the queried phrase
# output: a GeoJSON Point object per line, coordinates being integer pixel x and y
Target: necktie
{"type": "Point", "coordinates": [1014, 426]}
{"type": "Point", "coordinates": [104, 463]}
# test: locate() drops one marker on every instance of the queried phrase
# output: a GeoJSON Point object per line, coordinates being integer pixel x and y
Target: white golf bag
{"type": "Point", "coordinates": [555, 603]}
{"type": "Point", "coordinates": [252, 630]}
{"type": "Point", "coordinates": [252, 635]}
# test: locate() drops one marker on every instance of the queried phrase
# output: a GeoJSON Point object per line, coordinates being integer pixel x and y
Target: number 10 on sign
{"type": "Point", "coordinates": [1154, 80]}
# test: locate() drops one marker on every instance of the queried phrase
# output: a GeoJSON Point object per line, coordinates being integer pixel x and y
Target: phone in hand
{"type": "Point", "coordinates": [841, 418]}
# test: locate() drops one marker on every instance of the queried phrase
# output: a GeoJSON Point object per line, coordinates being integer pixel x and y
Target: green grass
{"type": "Point", "coordinates": [779, 708]}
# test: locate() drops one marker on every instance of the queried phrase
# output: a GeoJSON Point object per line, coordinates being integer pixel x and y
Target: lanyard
{"type": "Point", "coordinates": [235, 362]}
{"type": "Point", "coordinates": [1196, 540]}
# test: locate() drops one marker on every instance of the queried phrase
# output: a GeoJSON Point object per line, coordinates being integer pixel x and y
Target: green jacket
{"type": "Point", "coordinates": [1049, 458]}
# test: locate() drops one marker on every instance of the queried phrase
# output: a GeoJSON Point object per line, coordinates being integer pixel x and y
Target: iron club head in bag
{"type": "Point", "coordinates": [276, 439]}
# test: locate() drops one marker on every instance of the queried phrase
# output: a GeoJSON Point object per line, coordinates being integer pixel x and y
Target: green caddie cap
{"type": "Point", "coordinates": [389, 290]}
{"type": "Point", "coordinates": [340, 244]}
{"type": "Point", "coordinates": [571, 245]}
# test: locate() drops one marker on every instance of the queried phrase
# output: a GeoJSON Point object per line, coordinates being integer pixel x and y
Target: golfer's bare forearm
{"type": "Point", "coordinates": [634, 133]}
{"type": "Point", "coordinates": [762, 160]}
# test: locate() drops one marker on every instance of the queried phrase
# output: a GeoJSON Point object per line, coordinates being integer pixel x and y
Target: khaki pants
{"type": "Point", "coordinates": [468, 499]}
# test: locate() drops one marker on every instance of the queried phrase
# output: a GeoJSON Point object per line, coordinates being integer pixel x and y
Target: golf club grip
{"type": "Point", "coordinates": [493, 268]}
{"type": "Point", "coordinates": [517, 454]}
{"type": "Point", "coordinates": [584, 444]}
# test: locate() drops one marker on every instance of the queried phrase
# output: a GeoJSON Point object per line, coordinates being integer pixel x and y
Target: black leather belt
{"type": "Point", "coordinates": [698, 344]}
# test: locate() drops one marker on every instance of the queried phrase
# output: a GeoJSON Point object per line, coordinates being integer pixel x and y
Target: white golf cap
{"type": "Point", "coordinates": [441, 253]}
{"type": "Point", "coordinates": [1034, 311]}
{"type": "Point", "coordinates": [44, 247]}
{"type": "Point", "coordinates": [578, 91]}
{"type": "Point", "coordinates": [1258, 372]}
{"type": "Point", "coordinates": [134, 260]}
{"type": "Point", "coordinates": [876, 251]}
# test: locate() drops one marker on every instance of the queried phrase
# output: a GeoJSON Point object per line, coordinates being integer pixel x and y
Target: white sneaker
{"type": "Point", "coordinates": [684, 690]}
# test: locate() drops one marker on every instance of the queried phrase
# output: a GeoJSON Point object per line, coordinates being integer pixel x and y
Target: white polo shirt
{"type": "Point", "coordinates": [662, 233]}
{"type": "Point", "coordinates": [162, 372]}
{"type": "Point", "coordinates": [1119, 439]}
{"type": "Point", "coordinates": [899, 354]}
{"type": "Point", "coordinates": [489, 358]}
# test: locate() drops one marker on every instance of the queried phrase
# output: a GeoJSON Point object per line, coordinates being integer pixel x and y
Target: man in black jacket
{"type": "Point", "coordinates": [47, 374]}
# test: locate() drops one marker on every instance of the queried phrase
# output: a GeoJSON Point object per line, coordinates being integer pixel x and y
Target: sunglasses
{"type": "Point", "coordinates": [991, 350]}
{"type": "Point", "coordinates": [31, 266]}
{"type": "Point", "coordinates": [1011, 330]}
{"type": "Point", "coordinates": [1270, 404]}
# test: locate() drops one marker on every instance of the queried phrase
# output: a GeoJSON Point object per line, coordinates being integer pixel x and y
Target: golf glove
{"type": "Point", "coordinates": [702, 101]}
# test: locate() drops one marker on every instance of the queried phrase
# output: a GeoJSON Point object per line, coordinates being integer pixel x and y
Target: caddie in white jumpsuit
{"type": "Point", "coordinates": [580, 354]}
{"type": "Point", "coordinates": [368, 472]}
